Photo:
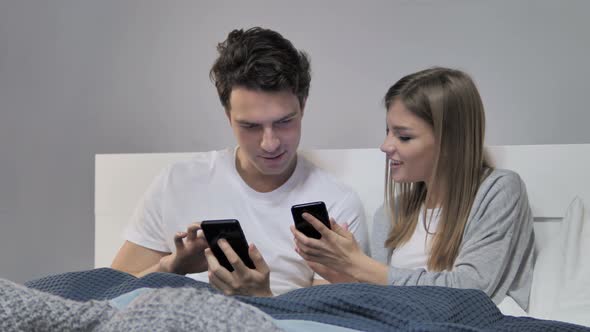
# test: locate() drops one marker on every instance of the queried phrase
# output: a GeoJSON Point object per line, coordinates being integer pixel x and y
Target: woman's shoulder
{"type": "Point", "coordinates": [502, 173]}
{"type": "Point", "coordinates": [501, 194]}
{"type": "Point", "coordinates": [502, 180]}
{"type": "Point", "coordinates": [501, 188]}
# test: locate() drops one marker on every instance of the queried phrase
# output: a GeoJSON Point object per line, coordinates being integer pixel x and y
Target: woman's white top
{"type": "Point", "coordinates": [414, 253]}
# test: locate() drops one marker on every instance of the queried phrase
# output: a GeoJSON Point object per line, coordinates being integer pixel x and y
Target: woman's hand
{"type": "Point", "coordinates": [336, 250]}
{"type": "Point", "coordinates": [336, 255]}
{"type": "Point", "coordinates": [333, 277]}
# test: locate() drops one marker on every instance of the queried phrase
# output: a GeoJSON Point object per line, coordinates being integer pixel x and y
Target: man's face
{"type": "Point", "coordinates": [267, 126]}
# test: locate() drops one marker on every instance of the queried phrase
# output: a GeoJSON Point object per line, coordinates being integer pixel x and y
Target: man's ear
{"type": "Point", "coordinates": [228, 114]}
{"type": "Point", "coordinates": [303, 106]}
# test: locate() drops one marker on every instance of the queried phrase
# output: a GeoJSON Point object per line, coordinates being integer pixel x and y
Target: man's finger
{"type": "Point", "coordinates": [232, 257]}
{"type": "Point", "coordinates": [216, 282]}
{"type": "Point", "coordinates": [223, 277]}
{"type": "Point", "coordinates": [257, 259]}
{"type": "Point", "coordinates": [178, 240]}
{"type": "Point", "coordinates": [201, 235]}
{"type": "Point", "coordinates": [212, 262]}
{"type": "Point", "coordinates": [192, 231]}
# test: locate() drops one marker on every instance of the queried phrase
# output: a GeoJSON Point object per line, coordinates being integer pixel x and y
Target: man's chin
{"type": "Point", "coordinates": [272, 171]}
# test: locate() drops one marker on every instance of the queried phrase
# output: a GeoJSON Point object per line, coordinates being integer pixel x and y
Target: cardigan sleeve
{"type": "Point", "coordinates": [379, 233]}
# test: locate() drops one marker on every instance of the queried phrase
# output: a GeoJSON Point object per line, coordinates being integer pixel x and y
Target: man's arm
{"type": "Point", "coordinates": [317, 282]}
{"type": "Point", "coordinates": [137, 260]}
{"type": "Point", "coordinates": [189, 256]}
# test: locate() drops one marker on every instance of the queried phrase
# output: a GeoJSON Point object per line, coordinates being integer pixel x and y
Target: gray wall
{"type": "Point", "coordinates": [84, 77]}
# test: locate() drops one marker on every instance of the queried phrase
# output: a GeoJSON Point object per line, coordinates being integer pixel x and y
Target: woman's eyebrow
{"type": "Point", "coordinates": [401, 128]}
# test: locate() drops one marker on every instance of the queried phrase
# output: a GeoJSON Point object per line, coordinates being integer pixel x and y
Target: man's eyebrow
{"type": "Point", "coordinates": [244, 122]}
{"type": "Point", "coordinates": [288, 116]}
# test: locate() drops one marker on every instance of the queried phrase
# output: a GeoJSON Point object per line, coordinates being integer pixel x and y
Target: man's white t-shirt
{"type": "Point", "coordinates": [209, 187]}
{"type": "Point", "coordinates": [414, 253]}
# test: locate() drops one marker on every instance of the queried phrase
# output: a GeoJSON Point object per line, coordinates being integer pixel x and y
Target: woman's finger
{"type": "Point", "coordinates": [302, 238]}
{"type": "Point", "coordinates": [317, 224]}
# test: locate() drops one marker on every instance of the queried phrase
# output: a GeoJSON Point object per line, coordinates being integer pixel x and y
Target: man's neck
{"type": "Point", "coordinates": [262, 182]}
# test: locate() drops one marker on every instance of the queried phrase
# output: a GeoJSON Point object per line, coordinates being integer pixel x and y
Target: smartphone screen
{"type": "Point", "coordinates": [316, 209]}
{"type": "Point", "coordinates": [231, 231]}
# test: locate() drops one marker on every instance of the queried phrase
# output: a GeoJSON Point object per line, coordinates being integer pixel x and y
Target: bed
{"type": "Point", "coordinates": [555, 176]}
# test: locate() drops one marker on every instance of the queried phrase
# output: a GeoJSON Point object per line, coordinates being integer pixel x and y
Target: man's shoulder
{"type": "Point", "coordinates": [317, 177]}
{"type": "Point", "coordinates": [200, 164]}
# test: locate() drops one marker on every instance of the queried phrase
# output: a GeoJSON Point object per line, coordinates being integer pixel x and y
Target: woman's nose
{"type": "Point", "coordinates": [388, 145]}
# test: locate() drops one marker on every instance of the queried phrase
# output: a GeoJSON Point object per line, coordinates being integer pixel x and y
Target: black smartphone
{"type": "Point", "coordinates": [316, 209]}
{"type": "Point", "coordinates": [231, 231]}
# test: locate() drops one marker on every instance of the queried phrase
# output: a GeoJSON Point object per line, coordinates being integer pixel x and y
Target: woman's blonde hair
{"type": "Point", "coordinates": [449, 102]}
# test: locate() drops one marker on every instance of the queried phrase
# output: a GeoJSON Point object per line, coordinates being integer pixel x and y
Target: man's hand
{"type": "Point", "coordinates": [243, 280]}
{"type": "Point", "coordinates": [190, 252]}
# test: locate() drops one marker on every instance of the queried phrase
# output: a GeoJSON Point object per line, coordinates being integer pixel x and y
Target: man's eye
{"type": "Point", "coordinates": [249, 126]}
{"type": "Point", "coordinates": [404, 138]}
{"type": "Point", "coordinates": [285, 122]}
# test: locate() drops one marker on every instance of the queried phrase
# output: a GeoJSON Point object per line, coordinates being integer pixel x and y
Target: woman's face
{"type": "Point", "coordinates": [409, 145]}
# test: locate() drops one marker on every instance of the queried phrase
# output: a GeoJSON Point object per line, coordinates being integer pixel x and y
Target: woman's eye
{"type": "Point", "coordinates": [404, 138]}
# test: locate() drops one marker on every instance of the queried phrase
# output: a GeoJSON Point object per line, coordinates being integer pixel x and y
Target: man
{"type": "Point", "coordinates": [263, 84]}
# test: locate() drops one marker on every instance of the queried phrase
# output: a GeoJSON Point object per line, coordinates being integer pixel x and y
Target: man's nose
{"type": "Point", "coordinates": [270, 141]}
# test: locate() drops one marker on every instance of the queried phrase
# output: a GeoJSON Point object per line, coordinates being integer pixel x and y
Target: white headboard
{"type": "Point", "coordinates": [554, 175]}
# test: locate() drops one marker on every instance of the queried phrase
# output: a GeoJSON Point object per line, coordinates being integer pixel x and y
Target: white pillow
{"type": "Point", "coordinates": [561, 272]}
{"type": "Point", "coordinates": [509, 307]}
{"type": "Point", "coordinates": [573, 299]}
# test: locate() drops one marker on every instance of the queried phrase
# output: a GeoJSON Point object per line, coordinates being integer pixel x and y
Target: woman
{"type": "Point", "coordinates": [449, 218]}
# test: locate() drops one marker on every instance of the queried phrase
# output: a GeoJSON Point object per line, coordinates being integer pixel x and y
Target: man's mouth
{"type": "Point", "coordinates": [273, 157]}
